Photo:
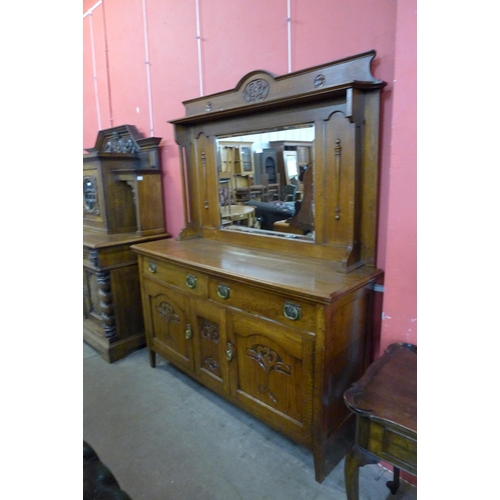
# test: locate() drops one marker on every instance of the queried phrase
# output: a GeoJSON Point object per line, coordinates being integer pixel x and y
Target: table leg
{"type": "Point", "coordinates": [152, 358]}
{"type": "Point", "coordinates": [356, 458]}
{"type": "Point", "coordinates": [394, 484]}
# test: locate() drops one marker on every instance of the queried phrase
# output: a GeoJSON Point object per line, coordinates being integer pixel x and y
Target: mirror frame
{"type": "Point", "coordinates": [342, 99]}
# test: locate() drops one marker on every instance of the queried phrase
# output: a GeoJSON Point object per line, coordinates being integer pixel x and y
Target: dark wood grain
{"type": "Point", "coordinates": [112, 293]}
{"type": "Point", "coordinates": [384, 401]}
{"type": "Point", "coordinates": [388, 390]}
{"type": "Point", "coordinates": [126, 208]}
{"type": "Point", "coordinates": [126, 170]}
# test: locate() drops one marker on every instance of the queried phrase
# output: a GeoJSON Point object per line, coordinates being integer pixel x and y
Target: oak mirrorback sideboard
{"type": "Point", "coordinates": [279, 322]}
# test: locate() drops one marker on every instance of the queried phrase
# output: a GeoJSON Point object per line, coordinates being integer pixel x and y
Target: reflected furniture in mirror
{"type": "Point", "coordinates": [267, 213]}
{"type": "Point", "coordinates": [122, 205]}
{"type": "Point", "coordinates": [276, 322]}
{"type": "Point", "coordinates": [266, 162]}
{"type": "Point", "coordinates": [293, 158]}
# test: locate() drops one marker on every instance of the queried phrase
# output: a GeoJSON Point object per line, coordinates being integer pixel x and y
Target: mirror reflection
{"type": "Point", "coordinates": [265, 181]}
{"type": "Point", "coordinates": [89, 195]}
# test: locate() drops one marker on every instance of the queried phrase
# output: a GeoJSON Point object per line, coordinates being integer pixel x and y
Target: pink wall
{"type": "Point", "coordinates": [238, 37]}
{"type": "Point", "coordinates": [400, 304]}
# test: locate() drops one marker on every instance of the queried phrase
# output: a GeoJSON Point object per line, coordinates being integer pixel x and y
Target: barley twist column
{"type": "Point", "coordinates": [106, 303]}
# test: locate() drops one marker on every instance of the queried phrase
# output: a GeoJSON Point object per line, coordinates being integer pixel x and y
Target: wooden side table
{"type": "Point", "coordinates": [385, 403]}
{"type": "Point", "coordinates": [238, 212]}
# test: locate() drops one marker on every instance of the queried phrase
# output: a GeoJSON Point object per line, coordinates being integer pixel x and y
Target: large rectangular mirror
{"type": "Point", "coordinates": [286, 163]}
{"type": "Point", "coordinates": [265, 181]}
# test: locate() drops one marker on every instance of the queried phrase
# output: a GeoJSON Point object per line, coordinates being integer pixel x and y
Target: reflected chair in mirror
{"type": "Point", "coordinates": [289, 192]}
{"type": "Point", "coordinates": [242, 188]}
{"type": "Point", "coordinates": [225, 201]}
{"type": "Point", "coordinates": [264, 196]}
{"type": "Point", "coordinates": [270, 192]}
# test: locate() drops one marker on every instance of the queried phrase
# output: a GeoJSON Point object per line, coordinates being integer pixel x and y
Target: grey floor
{"type": "Point", "coordinates": [165, 437]}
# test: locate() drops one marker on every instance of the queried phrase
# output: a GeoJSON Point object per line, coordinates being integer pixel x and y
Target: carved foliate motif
{"type": "Point", "coordinates": [211, 364]}
{"type": "Point", "coordinates": [168, 314]}
{"type": "Point", "coordinates": [256, 90]}
{"type": "Point", "coordinates": [119, 144]}
{"type": "Point", "coordinates": [319, 81]}
{"type": "Point", "coordinates": [270, 361]}
{"type": "Point", "coordinates": [209, 330]}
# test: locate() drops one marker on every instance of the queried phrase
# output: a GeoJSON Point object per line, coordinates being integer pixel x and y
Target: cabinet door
{"type": "Point", "coordinates": [227, 154]}
{"type": "Point", "coordinates": [168, 328]}
{"type": "Point", "coordinates": [271, 373]}
{"type": "Point", "coordinates": [246, 160]}
{"type": "Point", "coordinates": [91, 302]}
{"type": "Point", "coordinates": [270, 164]}
{"type": "Point", "coordinates": [209, 336]}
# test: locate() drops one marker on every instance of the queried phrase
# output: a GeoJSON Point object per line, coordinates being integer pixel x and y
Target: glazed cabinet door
{"type": "Point", "coordinates": [168, 328]}
{"type": "Point", "coordinates": [271, 373]}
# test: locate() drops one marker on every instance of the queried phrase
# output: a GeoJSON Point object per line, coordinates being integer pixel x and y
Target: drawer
{"type": "Point", "coordinates": [270, 305]}
{"type": "Point", "coordinates": [393, 446]}
{"type": "Point", "coordinates": [183, 278]}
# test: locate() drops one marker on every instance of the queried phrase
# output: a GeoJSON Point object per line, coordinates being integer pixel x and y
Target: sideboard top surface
{"type": "Point", "coordinates": [317, 279]}
{"type": "Point", "coordinates": [98, 239]}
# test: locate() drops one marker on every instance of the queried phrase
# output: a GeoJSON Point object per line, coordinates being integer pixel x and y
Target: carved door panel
{"type": "Point", "coordinates": [169, 329]}
{"type": "Point", "coordinates": [98, 307]}
{"type": "Point", "coordinates": [209, 338]}
{"type": "Point", "coordinates": [271, 372]}
{"type": "Point", "coordinates": [91, 303]}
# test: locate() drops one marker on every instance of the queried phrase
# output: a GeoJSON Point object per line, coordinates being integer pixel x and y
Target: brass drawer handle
{"type": "Point", "coordinates": [189, 332]}
{"type": "Point", "coordinates": [223, 291]}
{"type": "Point", "coordinates": [152, 267]}
{"type": "Point", "coordinates": [190, 281]}
{"type": "Point", "coordinates": [229, 351]}
{"type": "Point", "coordinates": [292, 311]}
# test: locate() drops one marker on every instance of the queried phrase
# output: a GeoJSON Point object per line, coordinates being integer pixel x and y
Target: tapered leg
{"type": "Point", "coordinates": [152, 358]}
{"type": "Point", "coordinates": [355, 459]}
{"type": "Point", "coordinates": [394, 484]}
